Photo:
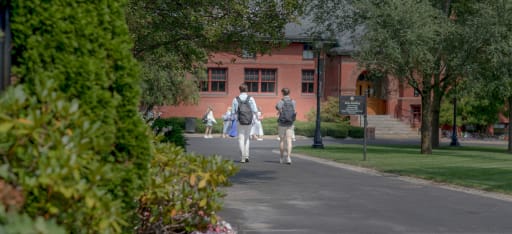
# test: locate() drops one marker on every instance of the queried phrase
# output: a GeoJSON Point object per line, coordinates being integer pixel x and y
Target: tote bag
{"type": "Point", "coordinates": [233, 132]}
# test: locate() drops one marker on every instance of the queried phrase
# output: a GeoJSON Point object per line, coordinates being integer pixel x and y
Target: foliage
{"type": "Point", "coordinates": [472, 109]}
{"type": "Point", "coordinates": [15, 223]}
{"type": "Point", "coordinates": [84, 47]}
{"type": "Point", "coordinates": [50, 149]}
{"type": "Point", "coordinates": [183, 193]}
{"type": "Point", "coordinates": [172, 130]}
{"type": "Point", "coordinates": [173, 38]}
{"type": "Point", "coordinates": [492, 74]}
{"type": "Point", "coordinates": [330, 111]}
{"type": "Point", "coordinates": [356, 132]}
{"type": "Point", "coordinates": [419, 42]}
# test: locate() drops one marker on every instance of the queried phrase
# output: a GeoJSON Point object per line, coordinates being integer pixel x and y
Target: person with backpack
{"type": "Point", "coordinates": [287, 115]}
{"type": "Point", "coordinates": [244, 107]}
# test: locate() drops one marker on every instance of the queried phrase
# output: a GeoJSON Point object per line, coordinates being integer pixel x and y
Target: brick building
{"type": "Point", "coordinates": [295, 66]}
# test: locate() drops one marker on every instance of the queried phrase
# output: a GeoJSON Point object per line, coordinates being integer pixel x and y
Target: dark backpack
{"type": "Point", "coordinates": [286, 114]}
{"type": "Point", "coordinates": [244, 111]}
{"type": "Point", "coordinates": [205, 118]}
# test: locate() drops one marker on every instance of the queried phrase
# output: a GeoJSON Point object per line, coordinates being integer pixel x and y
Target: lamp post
{"type": "Point", "coordinates": [317, 142]}
{"type": "Point", "coordinates": [5, 46]}
{"type": "Point", "coordinates": [455, 141]}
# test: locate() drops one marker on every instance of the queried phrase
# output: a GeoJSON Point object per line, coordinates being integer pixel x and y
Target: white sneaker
{"type": "Point", "coordinates": [288, 160]}
{"type": "Point", "coordinates": [205, 136]}
{"type": "Point", "coordinates": [281, 159]}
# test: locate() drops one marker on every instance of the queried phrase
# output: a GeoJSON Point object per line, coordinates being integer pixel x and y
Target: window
{"type": "Point", "coordinates": [216, 82]}
{"type": "Point", "coordinates": [260, 80]}
{"type": "Point", "coordinates": [307, 53]}
{"type": "Point", "coordinates": [308, 81]}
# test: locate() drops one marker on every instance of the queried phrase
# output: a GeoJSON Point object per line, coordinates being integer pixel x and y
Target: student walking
{"type": "Point", "coordinates": [287, 114]}
{"type": "Point", "coordinates": [210, 120]}
{"type": "Point", "coordinates": [257, 127]}
{"type": "Point", "coordinates": [227, 118]}
{"type": "Point", "coordinates": [244, 107]}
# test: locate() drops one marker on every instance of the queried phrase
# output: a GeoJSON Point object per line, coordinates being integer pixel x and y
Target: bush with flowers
{"type": "Point", "coordinates": [183, 193]}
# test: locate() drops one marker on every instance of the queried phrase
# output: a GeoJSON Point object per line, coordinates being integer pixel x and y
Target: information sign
{"type": "Point", "coordinates": [352, 105]}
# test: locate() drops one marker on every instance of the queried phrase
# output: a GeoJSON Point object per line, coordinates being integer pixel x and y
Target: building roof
{"type": "Point", "coordinates": [300, 32]}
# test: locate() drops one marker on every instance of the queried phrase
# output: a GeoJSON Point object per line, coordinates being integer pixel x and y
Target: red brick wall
{"type": "Point", "coordinates": [341, 73]}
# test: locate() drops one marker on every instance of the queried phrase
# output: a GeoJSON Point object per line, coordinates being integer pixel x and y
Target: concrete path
{"type": "Point", "coordinates": [320, 197]}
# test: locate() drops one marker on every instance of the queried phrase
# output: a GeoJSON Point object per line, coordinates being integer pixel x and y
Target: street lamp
{"type": "Point", "coordinates": [455, 141]}
{"type": "Point", "coordinates": [5, 46]}
{"type": "Point", "coordinates": [317, 142]}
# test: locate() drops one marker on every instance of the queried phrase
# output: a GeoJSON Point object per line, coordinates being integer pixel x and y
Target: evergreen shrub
{"type": "Point", "coordinates": [356, 132]}
{"type": "Point", "coordinates": [50, 149]}
{"type": "Point", "coordinates": [85, 49]}
{"type": "Point", "coordinates": [171, 129]}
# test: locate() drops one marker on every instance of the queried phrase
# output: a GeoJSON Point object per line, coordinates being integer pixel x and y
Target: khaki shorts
{"type": "Point", "coordinates": [285, 131]}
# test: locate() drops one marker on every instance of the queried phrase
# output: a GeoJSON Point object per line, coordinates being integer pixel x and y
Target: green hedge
{"type": "Point", "coordinates": [336, 130]}
{"type": "Point", "coordinates": [84, 50]}
{"type": "Point", "coordinates": [356, 132]}
{"type": "Point", "coordinates": [172, 130]}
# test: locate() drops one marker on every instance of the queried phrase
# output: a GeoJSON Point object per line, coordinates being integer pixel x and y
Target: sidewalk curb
{"type": "Point", "coordinates": [368, 171]}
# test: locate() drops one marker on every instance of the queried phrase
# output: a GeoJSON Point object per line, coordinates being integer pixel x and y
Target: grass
{"type": "Point", "coordinates": [485, 168]}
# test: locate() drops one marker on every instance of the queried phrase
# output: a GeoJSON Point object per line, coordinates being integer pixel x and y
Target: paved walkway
{"type": "Point", "coordinates": [316, 196]}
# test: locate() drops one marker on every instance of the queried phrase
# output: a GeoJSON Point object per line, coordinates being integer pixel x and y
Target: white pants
{"type": "Point", "coordinates": [244, 134]}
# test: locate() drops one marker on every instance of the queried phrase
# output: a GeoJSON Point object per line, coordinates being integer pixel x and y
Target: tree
{"type": "Point", "coordinates": [174, 38]}
{"type": "Point", "coordinates": [403, 39]}
{"type": "Point", "coordinates": [417, 42]}
{"type": "Point", "coordinates": [475, 107]}
{"type": "Point", "coordinates": [493, 68]}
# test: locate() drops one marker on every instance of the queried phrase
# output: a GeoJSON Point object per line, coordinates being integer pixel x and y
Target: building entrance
{"type": "Point", "coordinates": [373, 89]}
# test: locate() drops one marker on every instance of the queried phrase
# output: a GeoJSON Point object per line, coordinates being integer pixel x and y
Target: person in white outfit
{"type": "Point", "coordinates": [244, 131]}
{"type": "Point", "coordinates": [257, 127]}
{"type": "Point", "coordinates": [210, 120]}
{"type": "Point", "coordinates": [227, 118]}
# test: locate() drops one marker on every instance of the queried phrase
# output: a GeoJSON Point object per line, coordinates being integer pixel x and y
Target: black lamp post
{"type": "Point", "coordinates": [317, 143]}
{"type": "Point", "coordinates": [455, 141]}
{"type": "Point", "coordinates": [5, 46]}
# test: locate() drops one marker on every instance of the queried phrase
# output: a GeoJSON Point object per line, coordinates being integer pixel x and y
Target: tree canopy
{"type": "Point", "coordinates": [174, 38]}
{"type": "Point", "coordinates": [422, 43]}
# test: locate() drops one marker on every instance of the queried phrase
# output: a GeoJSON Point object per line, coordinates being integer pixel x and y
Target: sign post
{"type": "Point", "coordinates": [355, 105]}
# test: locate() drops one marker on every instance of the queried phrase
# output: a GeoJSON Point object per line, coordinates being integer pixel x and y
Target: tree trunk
{"type": "Point", "coordinates": [509, 148]}
{"type": "Point", "coordinates": [436, 109]}
{"type": "Point", "coordinates": [426, 123]}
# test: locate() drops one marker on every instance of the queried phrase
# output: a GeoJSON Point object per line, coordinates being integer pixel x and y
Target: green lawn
{"type": "Point", "coordinates": [486, 168]}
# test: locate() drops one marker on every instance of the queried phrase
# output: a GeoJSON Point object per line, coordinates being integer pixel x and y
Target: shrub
{"type": "Point", "coordinates": [15, 223]}
{"type": "Point", "coordinates": [183, 193]}
{"type": "Point", "coordinates": [305, 129]}
{"type": "Point", "coordinates": [330, 112]}
{"type": "Point", "coordinates": [172, 130]}
{"type": "Point", "coordinates": [356, 132]}
{"type": "Point", "coordinates": [336, 130]}
{"type": "Point", "coordinates": [269, 125]}
{"type": "Point", "coordinates": [84, 47]}
{"type": "Point", "coordinates": [50, 149]}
